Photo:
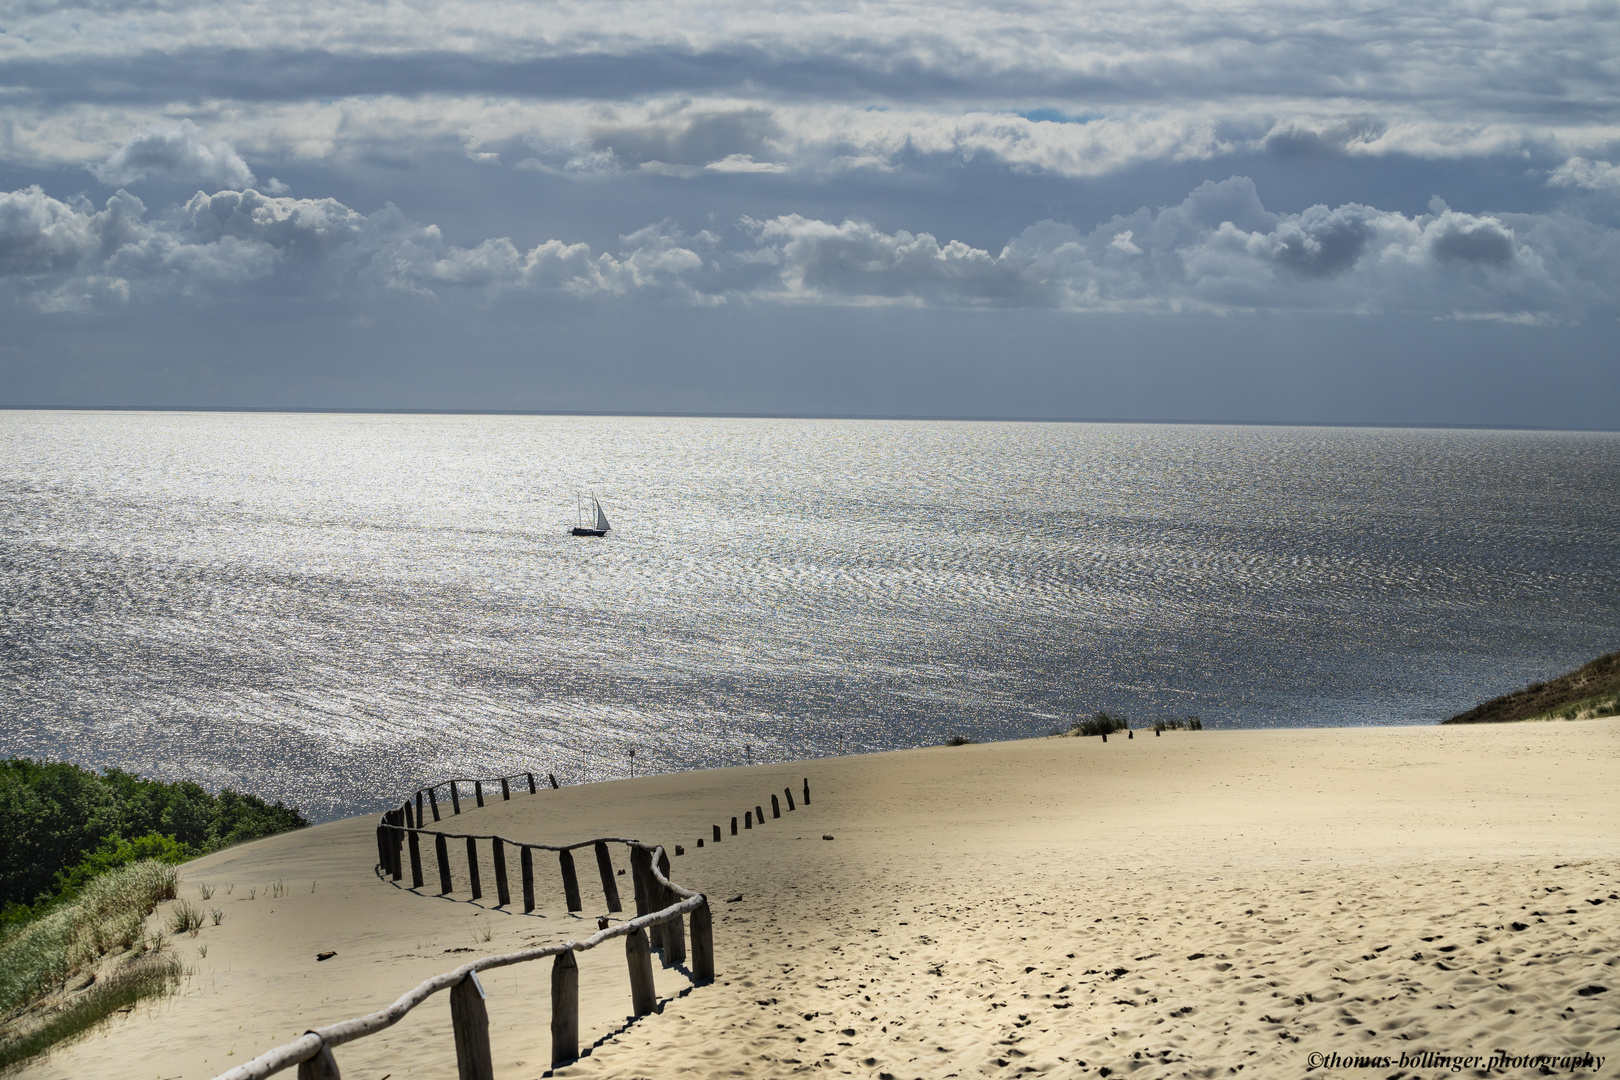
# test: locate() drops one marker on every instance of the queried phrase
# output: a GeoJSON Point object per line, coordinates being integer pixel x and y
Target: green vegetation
{"type": "Point", "coordinates": [146, 976]}
{"type": "Point", "coordinates": [1101, 724]}
{"type": "Point", "coordinates": [88, 856]}
{"type": "Point", "coordinates": [65, 826]}
{"type": "Point", "coordinates": [960, 740]}
{"type": "Point", "coordinates": [1186, 723]}
{"type": "Point", "coordinates": [1584, 691]}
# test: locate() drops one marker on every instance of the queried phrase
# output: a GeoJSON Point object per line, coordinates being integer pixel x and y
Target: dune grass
{"type": "Point", "coordinates": [149, 975]}
{"type": "Point", "coordinates": [40, 957]}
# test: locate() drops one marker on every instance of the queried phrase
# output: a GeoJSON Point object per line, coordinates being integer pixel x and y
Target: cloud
{"type": "Point", "coordinates": [1218, 250]}
{"type": "Point", "coordinates": [1582, 173]}
{"type": "Point", "coordinates": [175, 153]}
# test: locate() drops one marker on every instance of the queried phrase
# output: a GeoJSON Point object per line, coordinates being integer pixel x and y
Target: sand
{"type": "Point", "coordinates": [1200, 904]}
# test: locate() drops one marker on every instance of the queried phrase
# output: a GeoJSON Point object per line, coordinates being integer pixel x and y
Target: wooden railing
{"type": "Point", "coordinates": [454, 786]}
{"type": "Point", "coordinates": [659, 925]}
{"type": "Point", "coordinates": [661, 905]}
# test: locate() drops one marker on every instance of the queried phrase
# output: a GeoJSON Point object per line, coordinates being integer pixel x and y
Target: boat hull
{"type": "Point", "coordinates": [580, 530]}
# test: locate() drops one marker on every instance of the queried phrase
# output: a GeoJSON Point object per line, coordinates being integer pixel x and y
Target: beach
{"type": "Point", "coordinates": [1199, 904]}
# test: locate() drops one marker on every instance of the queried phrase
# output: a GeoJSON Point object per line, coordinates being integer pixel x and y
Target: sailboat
{"type": "Point", "coordinates": [599, 528]}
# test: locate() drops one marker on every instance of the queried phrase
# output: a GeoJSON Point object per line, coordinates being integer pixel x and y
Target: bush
{"type": "Point", "coordinates": [1101, 724]}
{"type": "Point", "coordinates": [960, 740]}
{"type": "Point", "coordinates": [1190, 723]}
{"type": "Point", "coordinates": [66, 824]}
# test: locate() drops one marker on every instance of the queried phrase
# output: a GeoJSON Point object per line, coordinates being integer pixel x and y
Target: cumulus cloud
{"type": "Point", "coordinates": [175, 153]}
{"type": "Point", "coordinates": [1219, 249]}
{"type": "Point", "coordinates": [1579, 172]}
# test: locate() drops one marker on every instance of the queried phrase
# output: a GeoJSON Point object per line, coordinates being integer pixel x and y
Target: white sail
{"type": "Point", "coordinates": [601, 518]}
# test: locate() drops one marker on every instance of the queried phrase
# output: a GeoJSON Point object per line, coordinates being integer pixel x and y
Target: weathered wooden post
{"type": "Point", "coordinates": [433, 803]}
{"type": "Point", "coordinates": [418, 809]}
{"type": "Point", "coordinates": [759, 814]}
{"type": "Point", "coordinates": [641, 879]}
{"type": "Point", "coordinates": [382, 850]}
{"type": "Point", "coordinates": [506, 792]}
{"type": "Point", "coordinates": [396, 868]}
{"type": "Point", "coordinates": [443, 852]}
{"type": "Point", "coordinates": [702, 943]}
{"type": "Point", "coordinates": [530, 775]}
{"type": "Point", "coordinates": [733, 826]}
{"type": "Point", "coordinates": [503, 895]}
{"type": "Point", "coordinates": [717, 834]}
{"type": "Point", "coordinates": [776, 807]}
{"type": "Point", "coordinates": [553, 778]}
{"type": "Point", "coordinates": [564, 1008]}
{"type": "Point", "coordinates": [1105, 736]}
{"type": "Point", "coordinates": [472, 868]}
{"type": "Point", "coordinates": [416, 860]}
{"type": "Point", "coordinates": [643, 995]}
{"type": "Point", "coordinates": [675, 929]}
{"type": "Point", "coordinates": [789, 793]}
{"type": "Point", "coordinates": [748, 819]}
{"type": "Point", "coordinates": [470, 1020]}
{"type": "Point", "coordinates": [455, 797]}
{"type": "Point", "coordinates": [478, 791]}
{"type": "Point", "coordinates": [565, 859]}
{"type": "Point", "coordinates": [610, 888]}
{"type": "Point", "coordinates": [807, 791]}
{"type": "Point", "coordinates": [526, 861]}
{"type": "Point", "coordinates": [320, 1066]}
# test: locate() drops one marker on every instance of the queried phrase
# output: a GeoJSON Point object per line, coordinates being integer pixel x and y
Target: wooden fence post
{"type": "Point", "coordinates": [470, 1020]}
{"type": "Point", "coordinates": [526, 861]}
{"type": "Point", "coordinates": [319, 1066]}
{"type": "Point", "coordinates": [748, 819]}
{"type": "Point", "coordinates": [433, 802]}
{"type": "Point", "coordinates": [472, 868]}
{"type": "Point", "coordinates": [570, 881]}
{"type": "Point", "coordinates": [789, 793]}
{"type": "Point", "coordinates": [675, 929]}
{"type": "Point", "coordinates": [610, 888]}
{"type": "Point", "coordinates": [418, 809]}
{"type": "Point", "coordinates": [506, 792]}
{"type": "Point", "coordinates": [733, 826]}
{"type": "Point", "coordinates": [531, 782]}
{"type": "Point", "coordinates": [759, 814]}
{"type": "Point", "coordinates": [717, 834]}
{"type": "Point", "coordinates": [416, 860]}
{"type": "Point", "coordinates": [455, 798]}
{"type": "Point", "coordinates": [564, 1008]}
{"type": "Point", "coordinates": [478, 791]}
{"type": "Point", "coordinates": [382, 852]}
{"type": "Point", "coordinates": [807, 791]}
{"type": "Point", "coordinates": [641, 878]}
{"type": "Point", "coordinates": [443, 852]}
{"type": "Point", "coordinates": [776, 807]}
{"type": "Point", "coordinates": [702, 943]}
{"type": "Point", "coordinates": [643, 995]}
{"type": "Point", "coordinates": [553, 778]}
{"type": "Point", "coordinates": [396, 868]}
{"type": "Point", "coordinates": [503, 895]}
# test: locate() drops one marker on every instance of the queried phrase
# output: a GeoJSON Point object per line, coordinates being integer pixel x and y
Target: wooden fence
{"type": "Point", "coordinates": [659, 926]}
{"type": "Point", "coordinates": [453, 787]}
{"type": "Point", "coordinates": [662, 907]}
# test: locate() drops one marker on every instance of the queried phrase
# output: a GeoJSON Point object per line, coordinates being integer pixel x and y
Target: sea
{"type": "Point", "coordinates": [332, 608]}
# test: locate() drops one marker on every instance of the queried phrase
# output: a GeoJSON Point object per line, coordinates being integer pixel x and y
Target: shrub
{"type": "Point", "coordinates": [1101, 724]}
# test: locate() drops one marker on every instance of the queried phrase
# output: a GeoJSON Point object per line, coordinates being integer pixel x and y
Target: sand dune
{"type": "Point", "coordinates": [1201, 904]}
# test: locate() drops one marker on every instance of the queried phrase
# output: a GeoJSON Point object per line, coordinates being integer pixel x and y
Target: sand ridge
{"type": "Point", "coordinates": [1202, 904]}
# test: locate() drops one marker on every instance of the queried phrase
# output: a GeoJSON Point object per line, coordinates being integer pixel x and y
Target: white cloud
{"type": "Point", "coordinates": [1218, 250]}
{"type": "Point", "coordinates": [175, 153]}
{"type": "Point", "coordinates": [1582, 173]}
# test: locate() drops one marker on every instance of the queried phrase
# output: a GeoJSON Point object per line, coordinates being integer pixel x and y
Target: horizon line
{"type": "Point", "coordinates": [908, 417]}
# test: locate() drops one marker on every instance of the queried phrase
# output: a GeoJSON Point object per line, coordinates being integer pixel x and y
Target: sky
{"type": "Point", "coordinates": [1308, 211]}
